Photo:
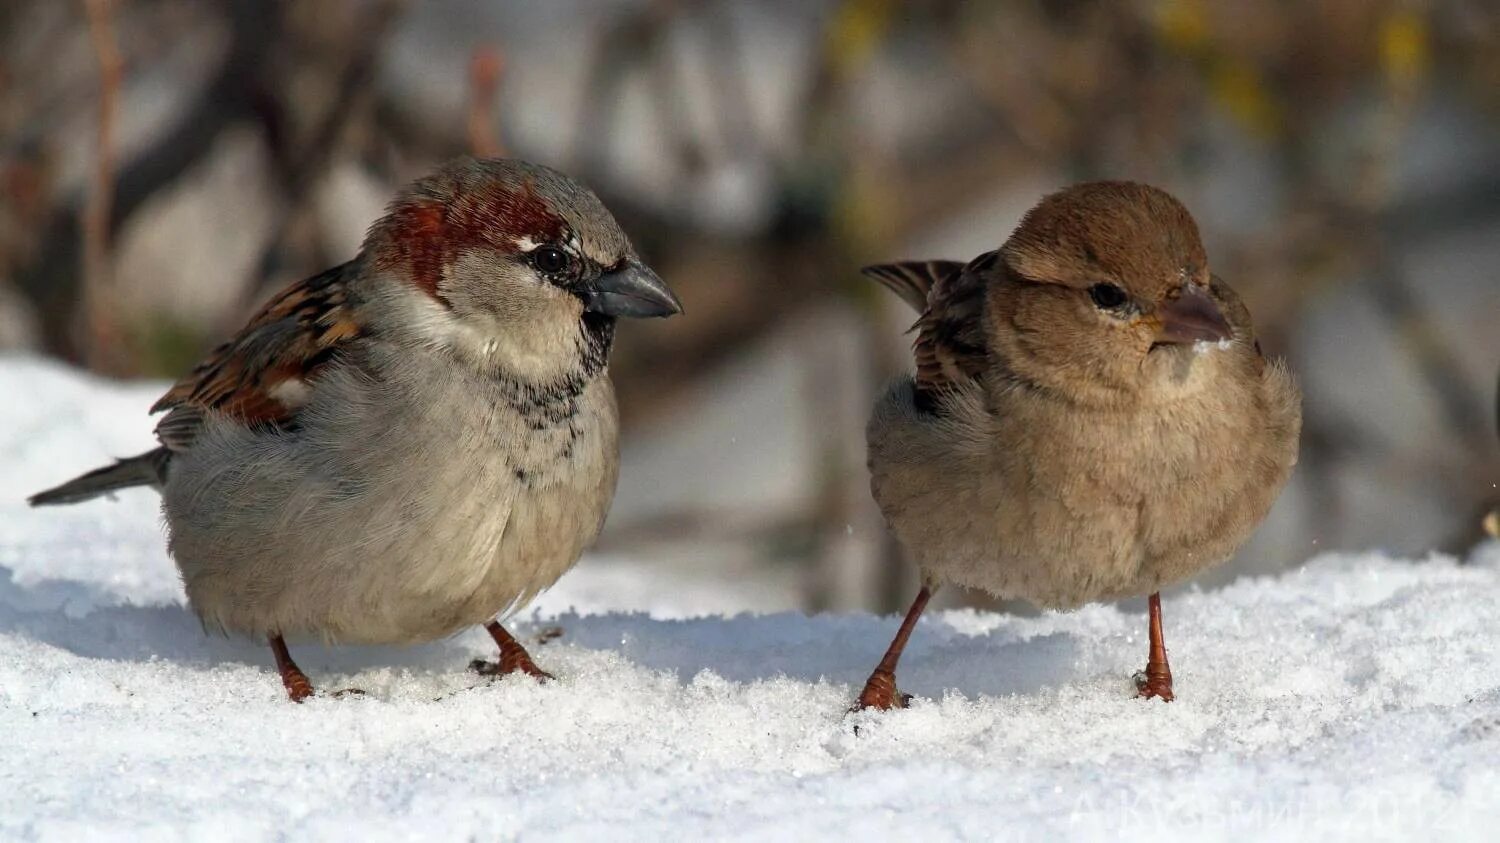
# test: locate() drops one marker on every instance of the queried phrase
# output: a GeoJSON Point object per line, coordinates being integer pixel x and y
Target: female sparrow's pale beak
{"type": "Point", "coordinates": [1190, 315]}
{"type": "Point", "coordinates": [631, 290]}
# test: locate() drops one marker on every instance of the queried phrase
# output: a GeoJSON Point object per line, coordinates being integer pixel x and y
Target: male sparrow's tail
{"type": "Point", "coordinates": [148, 469]}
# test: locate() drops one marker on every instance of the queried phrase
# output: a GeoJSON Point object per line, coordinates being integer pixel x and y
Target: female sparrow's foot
{"type": "Point", "coordinates": [880, 693]}
{"type": "Point", "coordinates": [1156, 681]}
{"type": "Point", "coordinates": [880, 690]}
{"type": "Point", "coordinates": [513, 657]}
{"type": "Point", "coordinates": [1149, 683]}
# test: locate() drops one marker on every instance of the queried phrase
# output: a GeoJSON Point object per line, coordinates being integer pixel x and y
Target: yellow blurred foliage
{"type": "Point", "coordinates": [1182, 24]}
{"type": "Point", "coordinates": [856, 30]}
{"type": "Point", "coordinates": [1239, 87]}
{"type": "Point", "coordinates": [1405, 50]}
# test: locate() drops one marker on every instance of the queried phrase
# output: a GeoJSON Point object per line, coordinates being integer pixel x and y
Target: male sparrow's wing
{"type": "Point", "coordinates": [950, 348]}
{"type": "Point", "coordinates": [261, 376]}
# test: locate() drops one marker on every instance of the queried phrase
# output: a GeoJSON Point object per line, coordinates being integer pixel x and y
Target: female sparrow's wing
{"type": "Point", "coordinates": [912, 280]}
{"type": "Point", "coordinates": [950, 348]}
{"type": "Point", "coordinates": [260, 377]}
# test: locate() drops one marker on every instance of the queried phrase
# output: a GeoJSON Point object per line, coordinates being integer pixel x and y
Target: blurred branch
{"type": "Point", "coordinates": [486, 69]}
{"type": "Point", "coordinates": [729, 74]}
{"type": "Point", "coordinates": [103, 346]}
{"type": "Point", "coordinates": [1430, 348]}
{"type": "Point", "coordinates": [300, 169]}
{"type": "Point", "coordinates": [730, 525]}
{"type": "Point", "coordinates": [51, 280]}
{"type": "Point", "coordinates": [1492, 520]}
{"type": "Point", "coordinates": [626, 44]}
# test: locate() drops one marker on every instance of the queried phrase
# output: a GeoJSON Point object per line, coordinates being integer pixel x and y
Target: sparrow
{"type": "Point", "coordinates": [1090, 417]}
{"type": "Point", "coordinates": [410, 443]}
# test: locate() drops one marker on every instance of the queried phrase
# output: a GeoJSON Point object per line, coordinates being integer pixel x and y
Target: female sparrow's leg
{"type": "Point", "coordinates": [1157, 680]}
{"type": "Point", "coordinates": [513, 657]}
{"type": "Point", "coordinates": [297, 685]}
{"type": "Point", "coordinates": [880, 691]}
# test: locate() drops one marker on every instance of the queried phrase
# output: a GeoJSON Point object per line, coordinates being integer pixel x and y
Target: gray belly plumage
{"type": "Point", "coordinates": [412, 500]}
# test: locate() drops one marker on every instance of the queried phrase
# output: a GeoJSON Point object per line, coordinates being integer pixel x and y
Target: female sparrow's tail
{"type": "Point", "coordinates": [148, 469]}
{"type": "Point", "coordinates": [912, 280]}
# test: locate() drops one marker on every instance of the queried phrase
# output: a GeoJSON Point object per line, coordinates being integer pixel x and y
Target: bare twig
{"type": "Point", "coordinates": [486, 70]}
{"type": "Point", "coordinates": [102, 344]}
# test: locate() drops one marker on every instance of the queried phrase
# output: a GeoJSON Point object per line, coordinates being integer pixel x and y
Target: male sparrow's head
{"type": "Point", "coordinates": [1105, 294]}
{"type": "Point", "coordinates": [518, 263]}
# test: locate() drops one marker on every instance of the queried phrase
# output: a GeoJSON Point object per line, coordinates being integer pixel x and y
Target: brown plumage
{"type": "Point", "coordinates": [1090, 417]}
{"type": "Point", "coordinates": [259, 376]}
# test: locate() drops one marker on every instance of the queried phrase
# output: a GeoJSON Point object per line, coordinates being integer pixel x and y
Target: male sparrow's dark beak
{"type": "Point", "coordinates": [630, 290]}
{"type": "Point", "coordinates": [1191, 315]}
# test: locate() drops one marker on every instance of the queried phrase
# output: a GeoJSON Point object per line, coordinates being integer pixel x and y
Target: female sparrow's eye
{"type": "Point", "coordinates": [550, 260]}
{"type": "Point", "coordinates": [1107, 296]}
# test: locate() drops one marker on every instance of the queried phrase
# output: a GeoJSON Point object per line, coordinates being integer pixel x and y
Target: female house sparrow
{"type": "Point", "coordinates": [414, 441]}
{"type": "Point", "coordinates": [1090, 419]}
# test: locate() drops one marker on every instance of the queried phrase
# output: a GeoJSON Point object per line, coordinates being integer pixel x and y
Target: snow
{"type": "Point", "coordinates": [1357, 698]}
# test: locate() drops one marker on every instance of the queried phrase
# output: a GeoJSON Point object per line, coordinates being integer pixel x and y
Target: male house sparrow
{"type": "Point", "coordinates": [420, 439]}
{"type": "Point", "coordinates": [1090, 419]}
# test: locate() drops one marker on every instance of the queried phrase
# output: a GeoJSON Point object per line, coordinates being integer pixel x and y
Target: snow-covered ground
{"type": "Point", "coordinates": [1357, 698]}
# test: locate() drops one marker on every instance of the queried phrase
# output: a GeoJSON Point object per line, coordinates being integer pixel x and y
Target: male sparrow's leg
{"type": "Point", "coordinates": [1157, 680]}
{"type": "Point", "coordinates": [513, 657]}
{"type": "Point", "coordinates": [297, 685]}
{"type": "Point", "coordinates": [880, 691]}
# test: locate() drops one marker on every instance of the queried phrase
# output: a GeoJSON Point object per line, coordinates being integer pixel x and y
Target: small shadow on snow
{"type": "Point", "coordinates": [836, 648]}
{"type": "Point", "coordinates": [88, 621]}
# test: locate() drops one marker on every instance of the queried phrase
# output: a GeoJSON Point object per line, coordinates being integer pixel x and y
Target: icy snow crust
{"type": "Point", "coordinates": [1355, 699]}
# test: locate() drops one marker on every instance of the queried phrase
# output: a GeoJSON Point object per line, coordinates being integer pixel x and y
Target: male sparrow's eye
{"type": "Point", "coordinates": [1107, 296]}
{"type": "Point", "coordinates": [550, 260]}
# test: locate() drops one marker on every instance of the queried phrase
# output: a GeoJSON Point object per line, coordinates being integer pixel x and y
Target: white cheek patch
{"type": "Point", "coordinates": [1204, 346]}
{"type": "Point", "coordinates": [292, 392]}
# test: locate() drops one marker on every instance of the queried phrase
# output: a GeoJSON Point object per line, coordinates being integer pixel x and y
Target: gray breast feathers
{"type": "Point", "coordinates": [413, 498]}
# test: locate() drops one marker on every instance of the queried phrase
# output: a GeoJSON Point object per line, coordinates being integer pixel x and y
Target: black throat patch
{"type": "Point", "coordinates": [555, 403]}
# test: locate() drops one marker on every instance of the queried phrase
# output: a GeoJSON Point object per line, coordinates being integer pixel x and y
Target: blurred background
{"type": "Point", "coordinates": [167, 164]}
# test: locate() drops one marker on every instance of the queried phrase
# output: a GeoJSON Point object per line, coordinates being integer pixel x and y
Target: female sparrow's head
{"type": "Point", "coordinates": [1104, 293]}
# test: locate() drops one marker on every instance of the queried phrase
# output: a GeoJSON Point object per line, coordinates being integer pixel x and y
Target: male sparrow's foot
{"type": "Point", "coordinates": [880, 693]}
{"type": "Point", "coordinates": [298, 687]}
{"type": "Point", "coordinates": [1154, 681]}
{"type": "Point", "coordinates": [513, 657]}
{"type": "Point", "coordinates": [501, 668]}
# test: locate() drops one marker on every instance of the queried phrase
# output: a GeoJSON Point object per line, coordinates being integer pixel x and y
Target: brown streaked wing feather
{"type": "Point", "coordinates": [950, 348]}
{"type": "Point", "coordinates": [912, 280]}
{"type": "Point", "coordinates": [252, 377]}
